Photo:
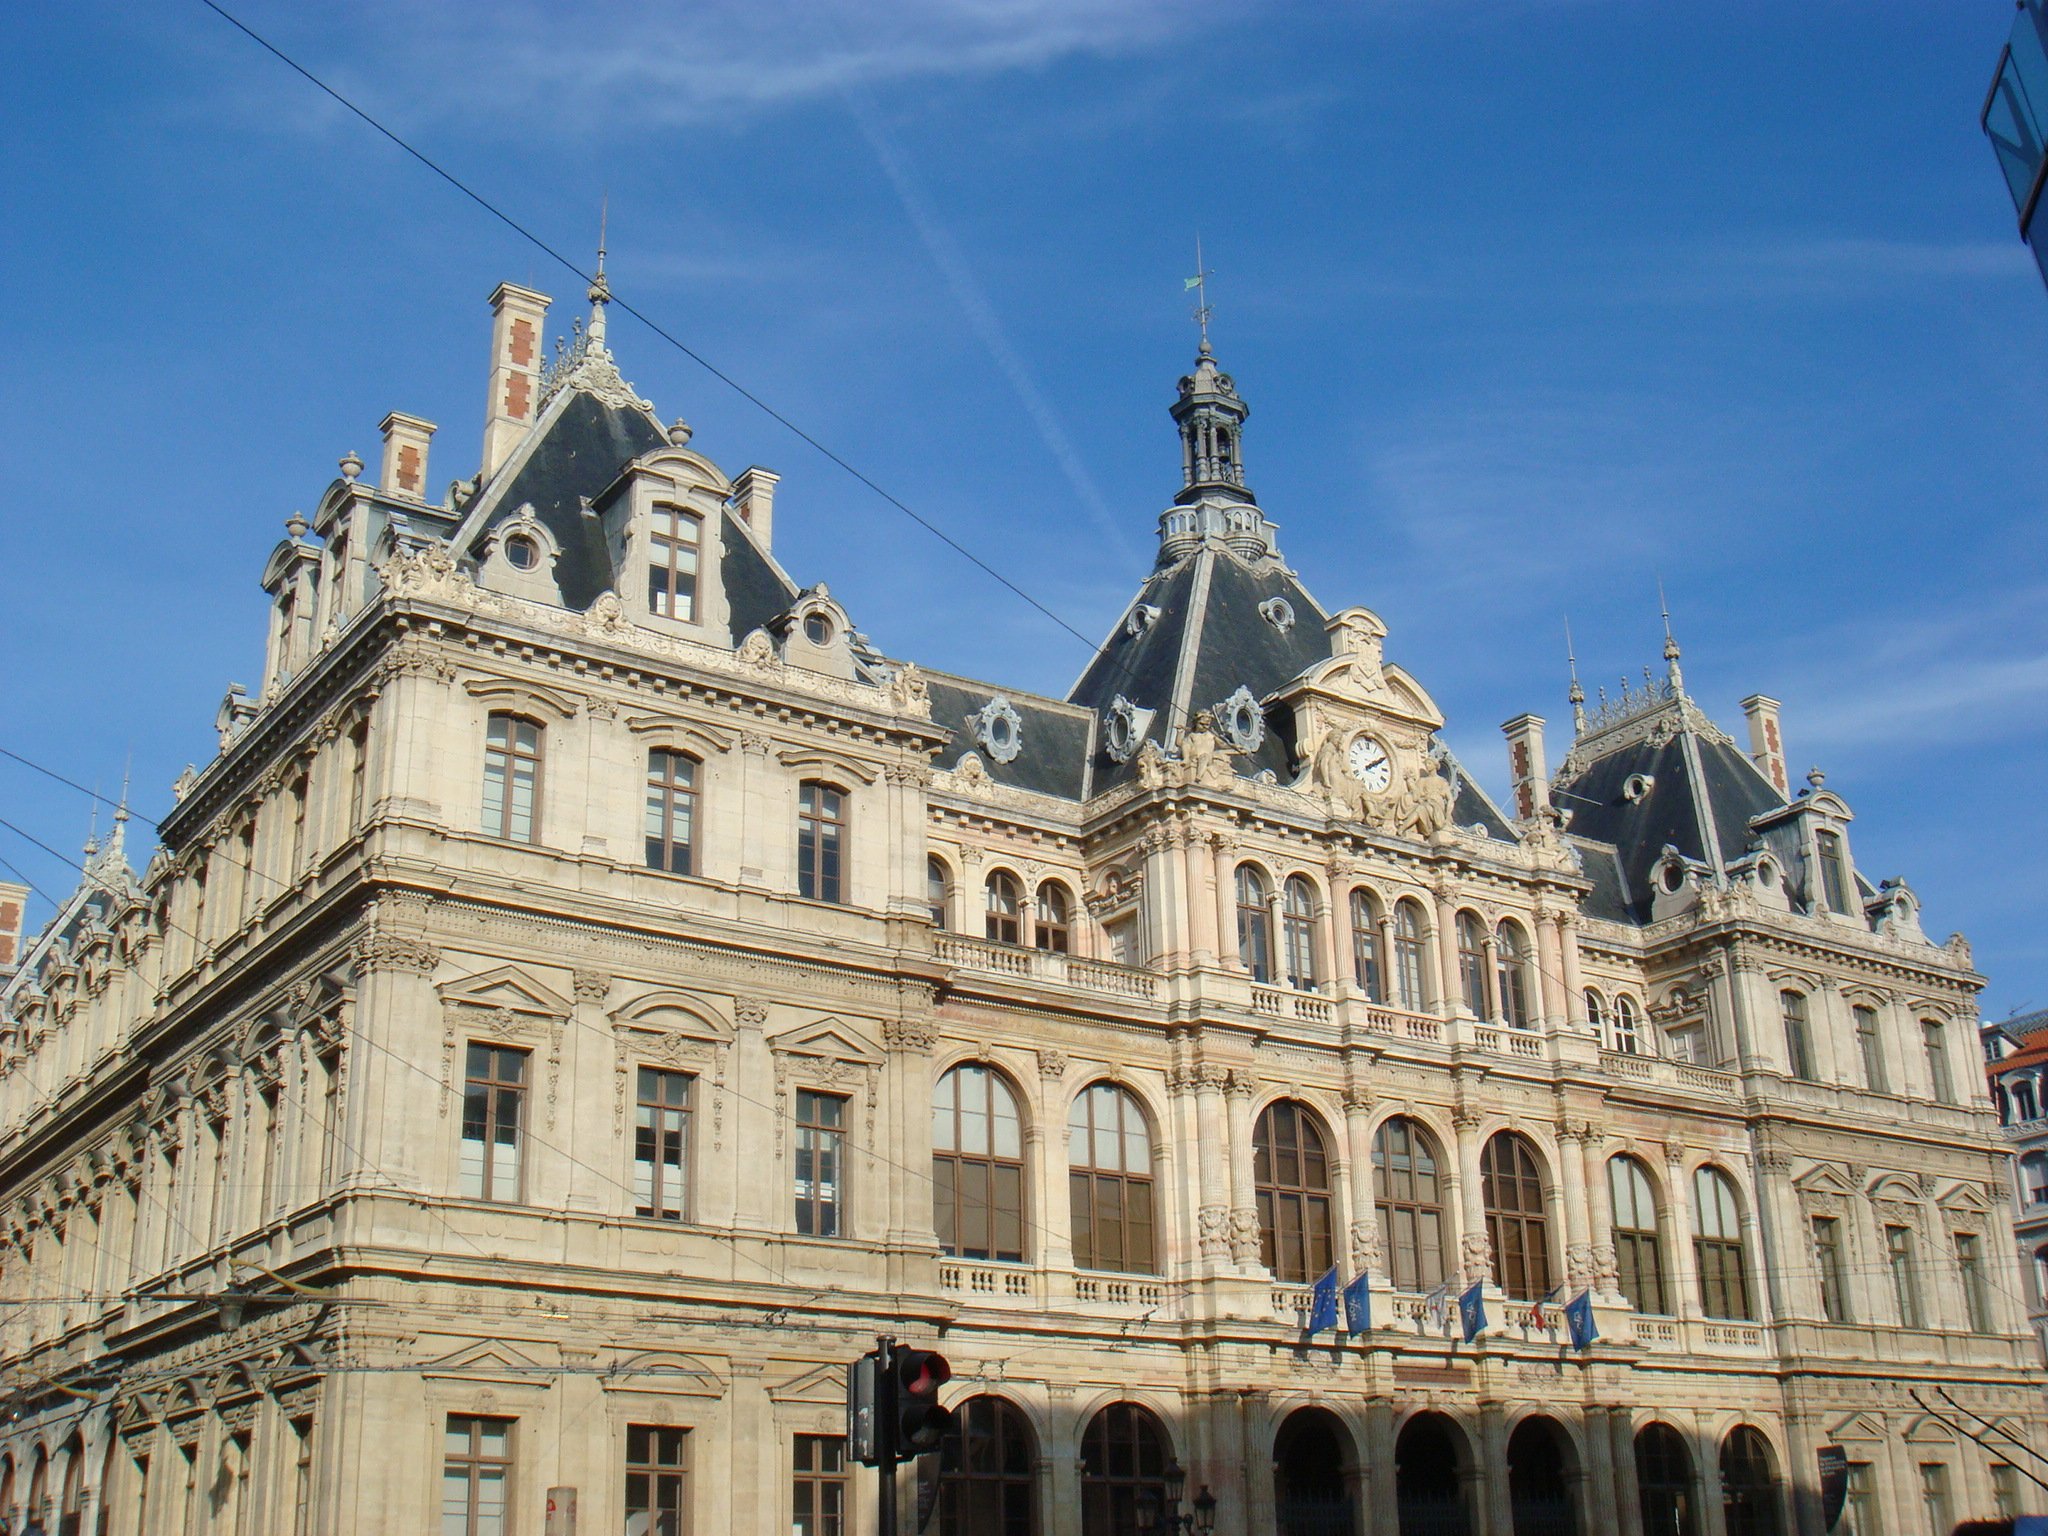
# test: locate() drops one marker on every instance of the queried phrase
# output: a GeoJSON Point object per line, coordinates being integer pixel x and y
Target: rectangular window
{"type": "Point", "coordinates": [1798, 1047]}
{"type": "Point", "coordinates": [1871, 1048]}
{"type": "Point", "coordinates": [1898, 1251]}
{"type": "Point", "coordinates": [302, 1477]}
{"type": "Point", "coordinates": [1976, 1294]}
{"type": "Point", "coordinates": [1834, 871]}
{"type": "Point", "coordinates": [296, 853]}
{"type": "Point", "coordinates": [657, 1479]}
{"type": "Point", "coordinates": [818, 1488]}
{"type": "Point", "coordinates": [1938, 1078]}
{"type": "Point", "coordinates": [661, 1145]}
{"type": "Point", "coordinates": [671, 811]}
{"type": "Point", "coordinates": [820, 841]}
{"type": "Point", "coordinates": [512, 756]}
{"type": "Point", "coordinates": [1934, 1497]}
{"type": "Point", "coordinates": [1859, 1507]}
{"type": "Point", "coordinates": [358, 773]}
{"type": "Point", "coordinates": [2005, 1490]}
{"type": "Point", "coordinates": [493, 1107]}
{"type": "Point", "coordinates": [476, 1476]}
{"type": "Point", "coordinates": [672, 564]}
{"type": "Point", "coordinates": [1827, 1253]}
{"type": "Point", "coordinates": [820, 1155]}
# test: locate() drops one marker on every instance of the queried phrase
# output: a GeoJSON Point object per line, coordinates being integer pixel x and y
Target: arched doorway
{"type": "Point", "coordinates": [1429, 1479]}
{"type": "Point", "coordinates": [1313, 1464]}
{"type": "Point", "coordinates": [985, 1472]}
{"type": "Point", "coordinates": [1664, 1482]}
{"type": "Point", "coordinates": [1749, 1483]}
{"type": "Point", "coordinates": [1539, 1480]}
{"type": "Point", "coordinates": [1124, 1456]}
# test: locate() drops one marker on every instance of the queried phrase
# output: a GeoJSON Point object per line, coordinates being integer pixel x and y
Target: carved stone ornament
{"type": "Point", "coordinates": [606, 615]}
{"type": "Point", "coordinates": [909, 693]}
{"type": "Point", "coordinates": [1278, 612]}
{"type": "Point", "coordinates": [909, 1035]}
{"type": "Point", "coordinates": [1477, 1252]}
{"type": "Point", "coordinates": [998, 729]}
{"type": "Point", "coordinates": [1367, 1251]}
{"type": "Point", "coordinates": [1244, 1235]}
{"type": "Point", "coordinates": [1238, 721]}
{"type": "Point", "coordinates": [758, 651]}
{"type": "Point", "coordinates": [396, 952]}
{"type": "Point", "coordinates": [591, 986]}
{"type": "Point", "coordinates": [1215, 1231]}
{"type": "Point", "coordinates": [1052, 1064]}
{"type": "Point", "coordinates": [1122, 729]}
{"type": "Point", "coordinates": [750, 1010]}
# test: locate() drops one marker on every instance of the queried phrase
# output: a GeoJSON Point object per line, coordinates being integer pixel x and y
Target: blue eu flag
{"type": "Point", "coordinates": [1358, 1305]}
{"type": "Point", "coordinates": [1578, 1317]}
{"type": "Point", "coordinates": [1472, 1311]}
{"type": "Point", "coordinates": [1322, 1303]}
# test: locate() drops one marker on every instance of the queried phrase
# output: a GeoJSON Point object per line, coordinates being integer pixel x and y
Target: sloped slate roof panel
{"type": "Point", "coordinates": [1053, 742]}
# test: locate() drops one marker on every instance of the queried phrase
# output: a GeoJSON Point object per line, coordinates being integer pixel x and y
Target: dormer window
{"type": "Point", "coordinates": [672, 564]}
{"type": "Point", "coordinates": [817, 628]}
{"type": "Point", "coordinates": [522, 553]}
{"type": "Point", "coordinates": [1834, 870]}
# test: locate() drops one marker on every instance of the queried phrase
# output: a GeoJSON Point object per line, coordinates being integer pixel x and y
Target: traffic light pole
{"type": "Point", "coordinates": [885, 1436]}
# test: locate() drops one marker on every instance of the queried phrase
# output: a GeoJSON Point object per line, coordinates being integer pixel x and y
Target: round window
{"type": "Point", "coordinates": [1674, 878]}
{"type": "Point", "coordinates": [1001, 734]}
{"type": "Point", "coordinates": [1122, 732]}
{"type": "Point", "coordinates": [522, 552]}
{"type": "Point", "coordinates": [1244, 722]}
{"type": "Point", "coordinates": [817, 629]}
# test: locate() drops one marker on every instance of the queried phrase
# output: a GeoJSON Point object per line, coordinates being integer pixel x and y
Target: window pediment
{"type": "Point", "coordinates": [680, 734]}
{"type": "Point", "coordinates": [825, 1041]}
{"type": "Point", "coordinates": [534, 698]}
{"type": "Point", "coordinates": [506, 988]}
{"type": "Point", "coordinates": [817, 761]}
{"type": "Point", "coordinates": [666, 1371]}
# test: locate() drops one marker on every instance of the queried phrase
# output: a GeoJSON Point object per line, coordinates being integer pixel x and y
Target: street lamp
{"type": "Point", "coordinates": [1158, 1509]}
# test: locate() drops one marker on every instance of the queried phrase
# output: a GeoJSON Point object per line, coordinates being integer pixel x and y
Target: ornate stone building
{"type": "Point", "coordinates": [595, 989]}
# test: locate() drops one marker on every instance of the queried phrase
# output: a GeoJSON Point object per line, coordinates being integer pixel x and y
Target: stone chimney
{"type": "Point", "coordinates": [516, 317]}
{"type": "Point", "coordinates": [1766, 745]}
{"type": "Point", "coordinates": [753, 498]}
{"type": "Point", "coordinates": [13, 912]}
{"type": "Point", "coordinates": [405, 456]}
{"type": "Point", "coordinates": [1527, 765]}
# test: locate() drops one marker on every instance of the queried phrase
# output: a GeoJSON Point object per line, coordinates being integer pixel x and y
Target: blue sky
{"type": "Point", "coordinates": [1532, 302]}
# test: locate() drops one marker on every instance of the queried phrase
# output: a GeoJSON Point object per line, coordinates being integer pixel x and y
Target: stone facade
{"type": "Point", "coordinates": [516, 1069]}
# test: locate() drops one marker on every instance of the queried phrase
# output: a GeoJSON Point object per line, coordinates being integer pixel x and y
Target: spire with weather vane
{"type": "Point", "coordinates": [1210, 414]}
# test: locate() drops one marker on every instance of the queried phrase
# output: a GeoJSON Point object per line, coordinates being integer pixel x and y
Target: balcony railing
{"type": "Point", "coordinates": [1045, 965]}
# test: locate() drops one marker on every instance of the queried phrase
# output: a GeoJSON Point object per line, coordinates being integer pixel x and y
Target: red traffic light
{"type": "Point", "coordinates": [921, 1372]}
{"type": "Point", "coordinates": [921, 1424]}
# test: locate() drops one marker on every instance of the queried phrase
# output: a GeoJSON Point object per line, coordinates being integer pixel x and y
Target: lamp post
{"type": "Point", "coordinates": [1158, 1510]}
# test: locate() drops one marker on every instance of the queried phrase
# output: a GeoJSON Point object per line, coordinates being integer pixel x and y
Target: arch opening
{"type": "Point", "coordinates": [1429, 1478]}
{"type": "Point", "coordinates": [1539, 1480]}
{"type": "Point", "coordinates": [1664, 1482]}
{"type": "Point", "coordinates": [1315, 1465]}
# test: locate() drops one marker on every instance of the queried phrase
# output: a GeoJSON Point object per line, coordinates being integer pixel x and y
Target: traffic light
{"type": "Point", "coordinates": [921, 1424]}
{"type": "Point", "coordinates": [863, 1409]}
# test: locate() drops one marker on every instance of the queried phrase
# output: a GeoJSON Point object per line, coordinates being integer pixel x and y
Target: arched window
{"type": "Point", "coordinates": [1596, 1015]}
{"type": "Point", "coordinates": [820, 842]}
{"type": "Point", "coordinates": [1798, 1046]}
{"type": "Point", "coordinates": [1516, 1225]}
{"type": "Point", "coordinates": [1639, 1257]}
{"type": "Point", "coordinates": [1368, 959]}
{"type": "Point", "coordinates": [986, 1472]}
{"type": "Point", "coordinates": [1054, 917]}
{"type": "Point", "coordinates": [1292, 1170]}
{"type": "Point", "coordinates": [977, 1165]}
{"type": "Point", "coordinates": [1408, 1193]}
{"type": "Point", "coordinates": [1004, 902]}
{"type": "Point", "coordinates": [1410, 939]}
{"type": "Point", "coordinates": [1717, 1246]}
{"type": "Point", "coordinates": [1124, 1456]}
{"type": "Point", "coordinates": [512, 763]}
{"type": "Point", "coordinates": [1749, 1483]}
{"type": "Point", "coordinates": [2041, 1276]}
{"type": "Point", "coordinates": [1664, 1482]}
{"type": "Point", "coordinates": [1472, 963]}
{"type": "Point", "coordinates": [70, 1502]}
{"type": "Point", "coordinates": [1628, 1034]}
{"type": "Point", "coordinates": [671, 811]}
{"type": "Point", "coordinates": [938, 891]}
{"type": "Point", "coordinates": [1254, 922]}
{"type": "Point", "coordinates": [1298, 932]}
{"type": "Point", "coordinates": [1109, 1181]}
{"type": "Point", "coordinates": [2023, 1100]}
{"type": "Point", "coordinates": [1511, 975]}
{"type": "Point", "coordinates": [2034, 1177]}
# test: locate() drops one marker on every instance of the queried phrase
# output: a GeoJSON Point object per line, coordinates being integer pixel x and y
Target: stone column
{"type": "Point", "coordinates": [1450, 985]}
{"type": "Point", "coordinates": [1474, 1247]}
{"type": "Point", "coordinates": [1226, 903]}
{"type": "Point", "coordinates": [1491, 1502]}
{"type": "Point", "coordinates": [1244, 1206]}
{"type": "Point", "coordinates": [1678, 1202]}
{"type": "Point", "coordinates": [1198, 872]}
{"type": "Point", "coordinates": [1213, 1213]}
{"type": "Point", "coordinates": [1045, 1154]}
{"type": "Point", "coordinates": [1548, 984]}
{"type": "Point", "coordinates": [1380, 1491]}
{"type": "Point", "coordinates": [758, 833]}
{"type": "Point", "coordinates": [1327, 951]}
{"type": "Point", "coordinates": [901, 1164]}
{"type": "Point", "coordinates": [1706, 1456]}
{"type": "Point", "coordinates": [1621, 1444]}
{"type": "Point", "coordinates": [1572, 1136]}
{"type": "Point", "coordinates": [1368, 1247]}
{"type": "Point", "coordinates": [1598, 1508]}
{"type": "Point", "coordinates": [1569, 969]}
{"type": "Point", "coordinates": [1600, 1232]}
{"type": "Point", "coordinates": [1778, 1248]}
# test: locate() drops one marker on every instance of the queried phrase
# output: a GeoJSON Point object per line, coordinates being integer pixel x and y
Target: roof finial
{"type": "Point", "coordinates": [1200, 283]}
{"type": "Point", "coordinates": [600, 287]}
{"type": "Point", "coordinates": [1670, 642]}
{"type": "Point", "coordinates": [1577, 695]}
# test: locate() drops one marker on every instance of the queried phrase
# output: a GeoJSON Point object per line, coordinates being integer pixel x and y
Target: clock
{"type": "Point", "coordinates": [1369, 763]}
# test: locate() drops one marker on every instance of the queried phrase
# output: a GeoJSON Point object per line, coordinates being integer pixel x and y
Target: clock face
{"type": "Point", "coordinates": [1370, 764]}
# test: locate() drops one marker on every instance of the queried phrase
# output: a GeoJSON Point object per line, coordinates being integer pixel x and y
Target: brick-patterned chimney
{"type": "Point", "coordinates": [753, 497]}
{"type": "Point", "coordinates": [516, 317]}
{"type": "Point", "coordinates": [405, 456]}
{"type": "Point", "coordinates": [1766, 745]}
{"type": "Point", "coordinates": [1527, 765]}
{"type": "Point", "coordinates": [13, 915]}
